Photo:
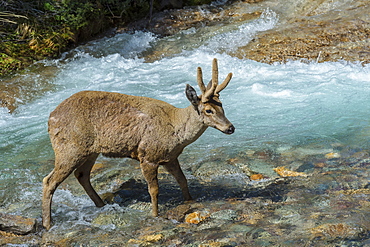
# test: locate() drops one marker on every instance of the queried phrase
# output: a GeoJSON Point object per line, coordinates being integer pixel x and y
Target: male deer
{"type": "Point", "coordinates": [117, 125]}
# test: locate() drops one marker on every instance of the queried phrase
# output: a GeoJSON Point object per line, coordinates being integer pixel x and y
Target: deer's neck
{"type": "Point", "coordinates": [189, 125]}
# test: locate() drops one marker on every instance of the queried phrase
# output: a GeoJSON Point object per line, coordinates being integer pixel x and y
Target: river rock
{"type": "Point", "coordinates": [317, 31]}
{"type": "Point", "coordinates": [178, 213]}
{"type": "Point", "coordinates": [17, 224]}
{"type": "Point", "coordinates": [337, 230]}
{"type": "Point", "coordinates": [226, 214]}
{"type": "Point", "coordinates": [21, 89]}
{"type": "Point", "coordinates": [117, 219]}
{"type": "Point", "coordinates": [215, 169]}
{"type": "Point", "coordinates": [262, 167]}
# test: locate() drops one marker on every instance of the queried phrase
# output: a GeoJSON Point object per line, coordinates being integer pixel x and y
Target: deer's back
{"type": "Point", "coordinates": [112, 124]}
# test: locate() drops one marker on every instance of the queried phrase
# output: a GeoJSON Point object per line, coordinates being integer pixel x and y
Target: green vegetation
{"type": "Point", "coordinates": [34, 30]}
{"type": "Point", "coordinates": [31, 30]}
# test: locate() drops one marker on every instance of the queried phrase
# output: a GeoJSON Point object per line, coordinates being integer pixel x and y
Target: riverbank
{"type": "Point", "coordinates": [36, 30]}
{"type": "Point", "coordinates": [306, 30]}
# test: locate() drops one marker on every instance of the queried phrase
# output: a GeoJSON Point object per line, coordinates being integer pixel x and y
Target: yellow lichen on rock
{"type": "Point", "coordinates": [138, 242]}
{"type": "Point", "coordinates": [332, 156]}
{"type": "Point", "coordinates": [153, 238]}
{"type": "Point", "coordinates": [212, 243]}
{"type": "Point", "coordinates": [8, 234]}
{"type": "Point", "coordinates": [353, 191]}
{"type": "Point", "coordinates": [146, 240]}
{"type": "Point", "coordinates": [97, 167]}
{"type": "Point", "coordinates": [195, 218]}
{"type": "Point", "coordinates": [256, 177]}
{"type": "Point", "coordinates": [252, 218]}
{"type": "Point", "coordinates": [283, 172]}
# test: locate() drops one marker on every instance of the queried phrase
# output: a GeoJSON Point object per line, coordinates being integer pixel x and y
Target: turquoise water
{"type": "Point", "coordinates": [278, 106]}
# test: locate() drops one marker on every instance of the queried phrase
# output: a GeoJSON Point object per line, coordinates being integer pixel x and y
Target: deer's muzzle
{"type": "Point", "coordinates": [229, 130]}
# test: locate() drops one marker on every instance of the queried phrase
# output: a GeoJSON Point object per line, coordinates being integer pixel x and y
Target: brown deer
{"type": "Point", "coordinates": [151, 131]}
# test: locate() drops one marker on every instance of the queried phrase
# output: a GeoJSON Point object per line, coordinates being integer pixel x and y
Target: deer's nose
{"type": "Point", "coordinates": [230, 130]}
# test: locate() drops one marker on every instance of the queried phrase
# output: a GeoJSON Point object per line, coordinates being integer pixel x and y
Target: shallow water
{"type": "Point", "coordinates": [285, 114]}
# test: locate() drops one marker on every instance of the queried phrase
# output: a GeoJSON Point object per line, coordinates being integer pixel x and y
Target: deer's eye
{"type": "Point", "coordinates": [209, 111]}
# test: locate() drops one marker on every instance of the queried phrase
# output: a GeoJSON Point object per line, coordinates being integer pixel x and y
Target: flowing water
{"type": "Point", "coordinates": [296, 108]}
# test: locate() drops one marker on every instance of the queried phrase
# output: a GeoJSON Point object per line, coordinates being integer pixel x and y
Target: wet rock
{"type": "Point", "coordinates": [98, 167]}
{"type": "Point", "coordinates": [332, 155]}
{"type": "Point", "coordinates": [7, 100]}
{"type": "Point", "coordinates": [256, 177]}
{"type": "Point", "coordinates": [337, 230]}
{"type": "Point", "coordinates": [118, 219]}
{"type": "Point", "coordinates": [226, 214]}
{"type": "Point", "coordinates": [283, 172]}
{"type": "Point", "coordinates": [171, 22]}
{"type": "Point", "coordinates": [146, 240]}
{"type": "Point", "coordinates": [17, 224]}
{"type": "Point", "coordinates": [360, 155]}
{"type": "Point", "coordinates": [215, 243]}
{"type": "Point", "coordinates": [21, 89]}
{"type": "Point", "coordinates": [11, 239]}
{"type": "Point", "coordinates": [301, 153]}
{"type": "Point", "coordinates": [196, 217]}
{"type": "Point", "coordinates": [178, 213]}
{"type": "Point", "coordinates": [251, 217]}
{"type": "Point", "coordinates": [212, 169]}
{"type": "Point", "coordinates": [144, 207]}
{"type": "Point", "coordinates": [262, 167]}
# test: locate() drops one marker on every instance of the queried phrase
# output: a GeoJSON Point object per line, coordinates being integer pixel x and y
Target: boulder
{"type": "Point", "coordinates": [17, 224]}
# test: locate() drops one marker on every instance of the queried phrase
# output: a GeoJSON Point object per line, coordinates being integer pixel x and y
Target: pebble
{"type": "Point", "coordinates": [283, 172]}
{"type": "Point", "coordinates": [227, 214]}
{"type": "Point", "coordinates": [332, 155]}
{"type": "Point", "coordinates": [153, 238]}
{"type": "Point", "coordinates": [213, 169]}
{"type": "Point", "coordinates": [195, 217]}
{"type": "Point", "coordinates": [256, 177]}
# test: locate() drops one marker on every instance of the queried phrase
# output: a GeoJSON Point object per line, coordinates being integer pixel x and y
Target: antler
{"type": "Point", "coordinates": [213, 89]}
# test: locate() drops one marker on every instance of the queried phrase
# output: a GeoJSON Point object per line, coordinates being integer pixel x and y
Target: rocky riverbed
{"type": "Point", "coordinates": [314, 194]}
{"type": "Point", "coordinates": [291, 196]}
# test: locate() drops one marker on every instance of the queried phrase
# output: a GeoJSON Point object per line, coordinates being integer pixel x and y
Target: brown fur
{"type": "Point", "coordinates": [117, 125]}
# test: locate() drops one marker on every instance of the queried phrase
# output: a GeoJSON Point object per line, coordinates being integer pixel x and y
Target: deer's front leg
{"type": "Point", "coordinates": [175, 169]}
{"type": "Point", "coordinates": [150, 172]}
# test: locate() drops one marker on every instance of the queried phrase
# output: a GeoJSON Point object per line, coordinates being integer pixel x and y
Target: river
{"type": "Point", "coordinates": [295, 108]}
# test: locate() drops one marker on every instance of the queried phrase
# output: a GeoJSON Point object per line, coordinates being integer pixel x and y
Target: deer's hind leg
{"type": "Point", "coordinates": [175, 169]}
{"type": "Point", "coordinates": [82, 173]}
{"type": "Point", "coordinates": [150, 172]}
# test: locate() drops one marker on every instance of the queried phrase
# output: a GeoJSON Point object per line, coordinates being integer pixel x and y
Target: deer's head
{"type": "Point", "coordinates": [208, 105]}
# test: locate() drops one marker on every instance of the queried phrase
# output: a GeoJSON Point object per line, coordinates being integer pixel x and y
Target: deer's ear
{"type": "Point", "coordinates": [191, 94]}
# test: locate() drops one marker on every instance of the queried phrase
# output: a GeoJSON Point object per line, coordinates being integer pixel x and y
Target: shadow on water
{"type": "Point", "coordinates": [133, 191]}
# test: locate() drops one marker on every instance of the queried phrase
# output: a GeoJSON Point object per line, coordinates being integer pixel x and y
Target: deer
{"type": "Point", "coordinates": [90, 123]}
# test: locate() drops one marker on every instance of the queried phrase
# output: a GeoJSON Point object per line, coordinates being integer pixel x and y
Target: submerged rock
{"type": "Point", "coordinates": [283, 172]}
